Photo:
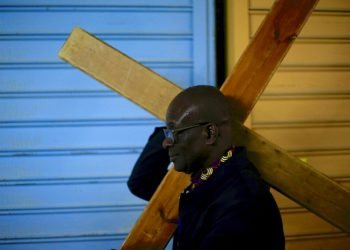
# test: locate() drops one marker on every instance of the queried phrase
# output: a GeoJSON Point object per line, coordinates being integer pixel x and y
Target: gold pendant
{"type": "Point", "coordinates": [206, 173]}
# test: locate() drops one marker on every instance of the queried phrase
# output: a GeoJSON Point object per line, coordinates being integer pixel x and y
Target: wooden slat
{"type": "Point", "coordinates": [301, 223]}
{"type": "Point", "coordinates": [321, 138]}
{"type": "Point", "coordinates": [333, 164]}
{"type": "Point", "coordinates": [309, 110]}
{"type": "Point", "coordinates": [319, 53]}
{"type": "Point", "coordinates": [325, 25]}
{"type": "Point", "coordinates": [336, 243]}
{"type": "Point", "coordinates": [301, 81]}
{"type": "Point", "coordinates": [324, 5]}
{"type": "Point", "coordinates": [284, 202]}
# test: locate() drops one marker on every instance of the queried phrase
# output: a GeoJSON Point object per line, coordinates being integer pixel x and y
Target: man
{"type": "Point", "coordinates": [227, 205]}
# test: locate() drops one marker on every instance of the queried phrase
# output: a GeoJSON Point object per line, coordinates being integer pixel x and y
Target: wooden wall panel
{"type": "Point", "coordinates": [301, 110]}
{"type": "Point", "coordinates": [335, 242]}
{"type": "Point", "coordinates": [320, 25]}
{"type": "Point", "coordinates": [332, 163]}
{"type": "Point", "coordinates": [319, 53]}
{"type": "Point", "coordinates": [308, 138]}
{"type": "Point", "coordinates": [324, 5]}
{"type": "Point", "coordinates": [303, 223]}
{"type": "Point", "coordinates": [295, 81]}
{"type": "Point", "coordinates": [305, 108]}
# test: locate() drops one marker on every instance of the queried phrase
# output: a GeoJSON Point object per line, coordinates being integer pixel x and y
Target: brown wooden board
{"type": "Point", "coordinates": [261, 58]}
{"type": "Point", "coordinates": [155, 226]}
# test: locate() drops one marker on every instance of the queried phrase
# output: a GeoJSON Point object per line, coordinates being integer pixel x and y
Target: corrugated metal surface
{"type": "Point", "coordinates": [67, 143]}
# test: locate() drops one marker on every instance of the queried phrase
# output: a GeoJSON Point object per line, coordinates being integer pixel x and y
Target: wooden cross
{"type": "Point", "coordinates": [292, 177]}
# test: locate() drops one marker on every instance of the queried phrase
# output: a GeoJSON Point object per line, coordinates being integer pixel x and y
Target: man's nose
{"type": "Point", "coordinates": [167, 143]}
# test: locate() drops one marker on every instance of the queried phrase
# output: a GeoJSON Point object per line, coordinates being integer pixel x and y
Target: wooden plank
{"type": "Point", "coordinates": [334, 164]}
{"type": "Point", "coordinates": [335, 243]}
{"type": "Point", "coordinates": [308, 109]}
{"type": "Point", "coordinates": [119, 72]}
{"type": "Point", "coordinates": [324, 24]}
{"type": "Point", "coordinates": [264, 54]}
{"type": "Point", "coordinates": [280, 169]}
{"type": "Point", "coordinates": [309, 81]}
{"type": "Point", "coordinates": [310, 139]}
{"type": "Point", "coordinates": [319, 53]}
{"type": "Point", "coordinates": [323, 5]}
{"type": "Point", "coordinates": [299, 222]}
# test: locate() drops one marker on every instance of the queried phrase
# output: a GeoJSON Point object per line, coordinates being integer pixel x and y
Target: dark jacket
{"type": "Point", "coordinates": [150, 168]}
{"type": "Point", "coordinates": [233, 209]}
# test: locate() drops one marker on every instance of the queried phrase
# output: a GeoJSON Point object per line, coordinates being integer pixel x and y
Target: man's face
{"type": "Point", "coordinates": [186, 149]}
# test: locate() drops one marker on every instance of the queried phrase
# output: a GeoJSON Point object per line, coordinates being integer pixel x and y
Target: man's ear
{"type": "Point", "coordinates": [212, 132]}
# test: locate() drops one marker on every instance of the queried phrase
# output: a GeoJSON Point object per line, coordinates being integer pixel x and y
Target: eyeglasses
{"type": "Point", "coordinates": [171, 133]}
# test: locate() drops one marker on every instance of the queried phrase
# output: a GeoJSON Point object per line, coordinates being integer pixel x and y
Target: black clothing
{"type": "Point", "coordinates": [233, 209]}
{"type": "Point", "coordinates": [150, 167]}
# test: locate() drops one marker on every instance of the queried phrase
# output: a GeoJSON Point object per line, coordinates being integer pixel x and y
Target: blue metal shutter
{"type": "Point", "coordinates": [67, 143]}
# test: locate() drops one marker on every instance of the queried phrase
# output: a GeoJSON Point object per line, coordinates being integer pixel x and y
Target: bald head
{"type": "Point", "coordinates": [202, 103]}
{"type": "Point", "coordinates": [200, 118]}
